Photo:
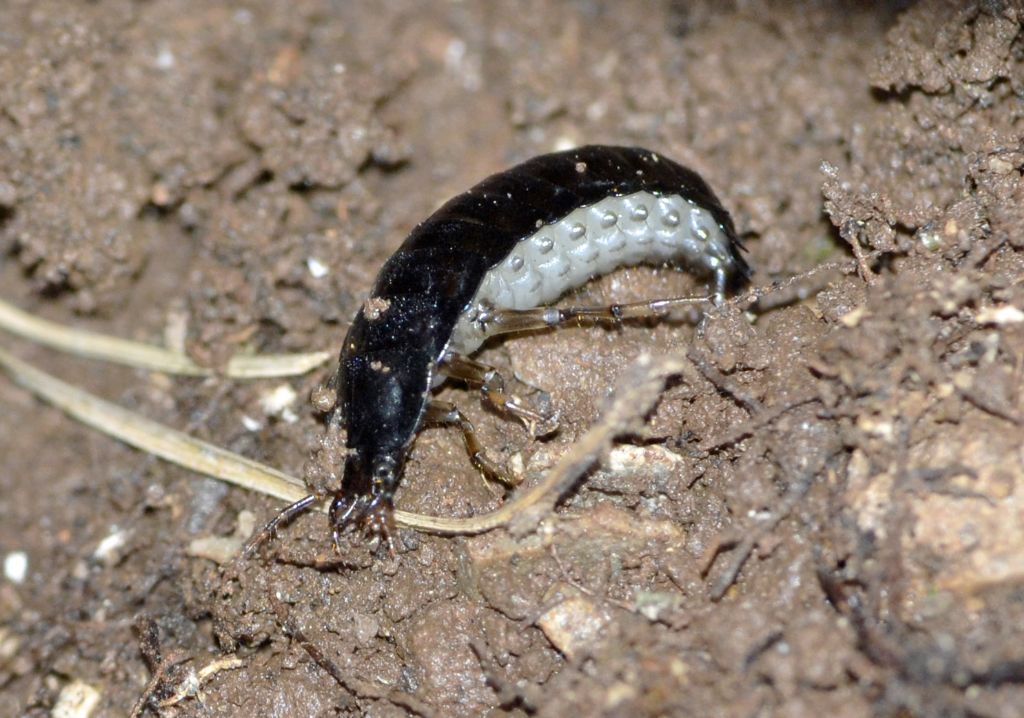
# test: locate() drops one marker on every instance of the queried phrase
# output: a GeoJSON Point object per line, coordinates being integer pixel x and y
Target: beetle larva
{"type": "Point", "coordinates": [488, 262]}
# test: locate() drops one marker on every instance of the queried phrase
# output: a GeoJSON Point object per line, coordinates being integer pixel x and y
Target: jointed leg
{"type": "Point", "coordinates": [284, 516]}
{"type": "Point", "coordinates": [492, 389]}
{"type": "Point", "coordinates": [444, 412]}
{"type": "Point", "coordinates": [504, 321]}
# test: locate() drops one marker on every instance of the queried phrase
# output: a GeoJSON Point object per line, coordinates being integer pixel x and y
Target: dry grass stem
{"type": "Point", "coordinates": [146, 356]}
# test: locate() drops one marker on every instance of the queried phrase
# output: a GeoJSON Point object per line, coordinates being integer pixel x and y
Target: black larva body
{"type": "Point", "coordinates": [389, 358]}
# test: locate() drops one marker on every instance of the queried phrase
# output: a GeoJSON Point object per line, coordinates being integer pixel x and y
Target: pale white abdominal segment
{"type": "Point", "coordinates": [591, 241]}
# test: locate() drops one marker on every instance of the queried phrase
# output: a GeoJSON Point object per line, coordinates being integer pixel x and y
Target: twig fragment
{"type": "Point", "coordinates": [190, 685]}
{"type": "Point", "coordinates": [743, 546]}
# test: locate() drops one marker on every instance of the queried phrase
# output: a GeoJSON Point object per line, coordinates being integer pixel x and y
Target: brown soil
{"type": "Point", "coordinates": [855, 435]}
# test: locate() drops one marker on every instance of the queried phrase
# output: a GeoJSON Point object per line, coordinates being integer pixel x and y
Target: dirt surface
{"type": "Point", "coordinates": [826, 516]}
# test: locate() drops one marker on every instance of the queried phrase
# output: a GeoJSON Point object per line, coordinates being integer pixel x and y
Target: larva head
{"type": "Point", "coordinates": [365, 498]}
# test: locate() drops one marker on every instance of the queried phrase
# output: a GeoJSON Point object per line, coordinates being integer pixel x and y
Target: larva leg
{"type": "Point", "coordinates": [284, 516]}
{"type": "Point", "coordinates": [446, 413]}
{"type": "Point", "coordinates": [721, 281]}
{"type": "Point", "coordinates": [504, 321]}
{"type": "Point", "coordinates": [492, 390]}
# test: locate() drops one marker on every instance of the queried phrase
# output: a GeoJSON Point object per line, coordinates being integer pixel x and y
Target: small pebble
{"type": "Point", "coordinates": [108, 550]}
{"type": "Point", "coordinates": [16, 566]}
{"type": "Point", "coordinates": [76, 700]}
{"type": "Point", "coordinates": [316, 268]}
{"type": "Point", "coordinates": [278, 400]}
